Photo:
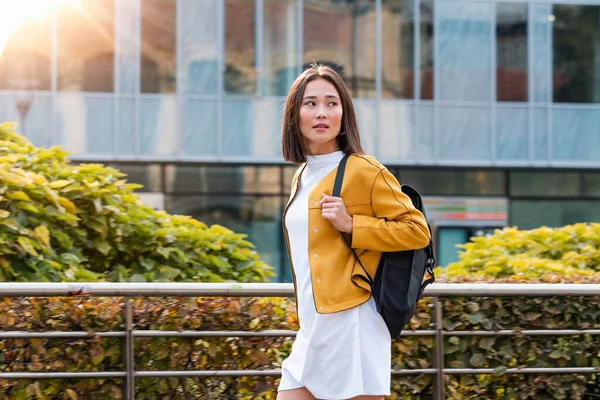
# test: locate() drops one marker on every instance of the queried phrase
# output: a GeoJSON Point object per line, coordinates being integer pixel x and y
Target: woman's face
{"type": "Point", "coordinates": [321, 117]}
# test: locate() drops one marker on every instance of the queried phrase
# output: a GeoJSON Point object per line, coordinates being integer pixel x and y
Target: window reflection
{"type": "Point", "coordinates": [279, 46]}
{"type": "Point", "coordinates": [240, 63]}
{"type": "Point", "coordinates": [86, 46]}
{"type": "Point", "coordinates": [342, 35]}
{"type": "Point", "coordinates": [530, 214]}
{"type": "Point", "coordinates": [259, 217]}
{"type": "Point", "coordinates": [433, 182]}
{"type": "Point", "coordinates": [158, 46]}
{"type": "Point", "coordinates": [576, 50]}
{"type": "Point", "coordinates": [511, 52]}
{"type": "Point", "coordinates": [25, 59]}
{"type": "Point", "coordinates": [225, 179]}
{"type": "Point", "coordinates": [397, 43]}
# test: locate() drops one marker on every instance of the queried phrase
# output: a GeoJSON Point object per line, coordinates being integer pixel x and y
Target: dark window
{"type": "Point", "coordinates": [398, 52]}
{"type": "Point", "coordinates": [280, 55]}
{"type": "Point", "coordinates": [530, 214]}
{"type": "Point", "coordinates": [25, 58]}
{"type": "Point", "coordinates": [426, 25]}
{"type": "Point", "coordinates": [576, 53]}
{"type": "Point", "coordinates": [454, 182]}
{"type": "Point", "coordinates": [511, 52]}
{"type": "Point", "coordinates": [158, 46]}
{"type": "Point", "coordinates": [86, 46]}
{"type": "Point", "coordinates": [240, 58]}
{"type": "Point", "coordinates": [341, 34]}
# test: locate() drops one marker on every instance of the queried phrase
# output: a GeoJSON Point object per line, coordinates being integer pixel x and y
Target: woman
{"type": "Point", "coordinates": [343, 347]}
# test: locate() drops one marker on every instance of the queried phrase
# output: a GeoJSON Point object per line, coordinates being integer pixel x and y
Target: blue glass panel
{"type": "Point", "coordinates": [397, 140]}
{"type": "Point", "coordinates": [366, 114]}
{"type": "Point", "coordinates": [541, 62]}
{"type": "Point", "coordinates": [512, 134]}
{"type": "Point", "coordinates": [238, 119]}
{"type": "Point", "coordinates": [266, 136]}
{"type": "Point", "coordinates": [576, 134]}
{"type": "Point", "coordinates": [127, 142]}
{"type": "Point", "coordinates": [100, 127]}
{"type": "Point", "coordinates": [158, 126]}
{"type": "Point", "coordinates": [8, 110]}
{"type": "Point", "coordinates": [85, 125]}
{"type": "Point", "coordinates": [37, 125]}
{"type": "Point", "coordinates": [425, 135]}
{"type": "Point", "coordinates": [464, 133]}
{"type": "Point", "coordinates": [200, 128]}
{"type": "Point", "coordinates": [200, 46]}
{"type": "Point", "coordinates": [465, 44]}
{"type": "Point", "coordinates": [540, 134]}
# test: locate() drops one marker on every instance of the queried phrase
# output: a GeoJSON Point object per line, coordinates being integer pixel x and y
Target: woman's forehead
{"type": "Point", "coordinates": [320, 88]}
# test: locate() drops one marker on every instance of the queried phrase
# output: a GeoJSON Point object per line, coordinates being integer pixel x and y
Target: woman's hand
{"type": "Point", "coordinates": [334, 211]}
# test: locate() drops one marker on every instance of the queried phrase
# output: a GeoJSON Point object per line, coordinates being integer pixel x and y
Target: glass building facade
{"type": "Point", "coordinates": [489, 108]}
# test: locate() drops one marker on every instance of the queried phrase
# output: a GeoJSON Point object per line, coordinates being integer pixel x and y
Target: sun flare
{"type": "Point", "coordinates": [14, 12]}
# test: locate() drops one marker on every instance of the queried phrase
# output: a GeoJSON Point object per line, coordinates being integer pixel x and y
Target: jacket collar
{"type": "Point", "coordinates": [296, 182]}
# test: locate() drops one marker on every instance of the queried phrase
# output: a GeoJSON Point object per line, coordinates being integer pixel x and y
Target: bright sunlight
{"type": "Point", "coordinates": [14, 12]}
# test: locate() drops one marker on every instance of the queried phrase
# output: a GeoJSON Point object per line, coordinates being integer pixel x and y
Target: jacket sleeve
{"type": "Point", "coordinates": [396, 225]}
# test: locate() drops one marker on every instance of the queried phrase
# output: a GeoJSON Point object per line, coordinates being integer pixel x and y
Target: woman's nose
{"type": "Point", "coordinates": [321, 112]}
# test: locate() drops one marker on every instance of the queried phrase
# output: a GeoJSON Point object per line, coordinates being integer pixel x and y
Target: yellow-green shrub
{"type": "Point", "coordinates": [572, 249]}
{"type": "Point", "coordinates": [64, 222]}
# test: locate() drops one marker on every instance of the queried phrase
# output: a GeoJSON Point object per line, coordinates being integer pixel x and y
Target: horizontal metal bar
{"type": "Point", "coordinates": [277, 373]}
{"type": "Point", "coordinates": [521, 371]}
{"type": "Point", "coordinates": [109, 289]}
{"type": "Point", "coordinates": [239, 373]}
{"type": "Point", "coordinates": [60, 375]}
{"type": "Point", "coordinates": [54, 334]}
{"type": "Point", "coordinates": [206, 374]}
{"type": "Point", "coordinates": [269, 333]}
{"type": "Point", "coordinates": [533, 332]}
{"type": "Point", "coordinates": [281, 333]}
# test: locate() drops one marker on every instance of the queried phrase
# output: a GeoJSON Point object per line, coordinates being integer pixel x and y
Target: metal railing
{"type": "Point", "coordinates": [127, 290]}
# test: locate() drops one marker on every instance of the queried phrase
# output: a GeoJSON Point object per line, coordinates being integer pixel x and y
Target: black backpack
{"type": "Point", "coordinates": [398, 283]}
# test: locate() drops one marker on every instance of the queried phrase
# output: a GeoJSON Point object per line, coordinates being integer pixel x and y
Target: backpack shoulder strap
{"type": "Point", "coordinates": [337, 189]}
{"type": "Point", "coordinates": [339, 177]}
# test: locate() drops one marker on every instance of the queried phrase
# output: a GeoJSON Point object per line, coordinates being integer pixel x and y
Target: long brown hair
{"type": "Point", "coordinates": [292, 142]}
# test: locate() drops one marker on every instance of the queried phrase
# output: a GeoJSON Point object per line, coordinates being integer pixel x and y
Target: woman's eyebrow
{"type": "Point", "coordinates": [329, 96]}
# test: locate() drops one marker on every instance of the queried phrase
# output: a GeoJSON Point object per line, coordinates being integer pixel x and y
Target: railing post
{"type": "Point", "coordinates": [129, 361]}
{"type": "Point", "coordinates": [438, 350]}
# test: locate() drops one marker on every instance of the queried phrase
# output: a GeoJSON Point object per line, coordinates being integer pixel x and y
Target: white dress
{"type": "Point", "coordinates": [339, 355]}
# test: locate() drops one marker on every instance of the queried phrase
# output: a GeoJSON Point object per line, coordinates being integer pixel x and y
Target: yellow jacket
{"type": "Point", "coordinates": [384, 219]}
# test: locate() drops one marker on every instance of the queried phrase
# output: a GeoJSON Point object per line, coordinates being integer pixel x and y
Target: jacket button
{"type": "Point", "coordinates": [315, 256]}
{"type": "Point", "coordinates": [321, 308]}
{"type": "Point", "coordinates": [315, 230]}
{"type": "Point", "coordinates": [315, 203]}
{"type": "Point", "coordinates": [318, 281]}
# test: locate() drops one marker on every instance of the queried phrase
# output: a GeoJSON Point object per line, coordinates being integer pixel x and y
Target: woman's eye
{"type": "Point", "coordinates": [333, 103]}
{"type": "Point", "coordinates": [310, 103]}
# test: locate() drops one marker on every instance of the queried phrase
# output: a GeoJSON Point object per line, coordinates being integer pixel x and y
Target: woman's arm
{"type": "Point", "coordinates": [397, 224]}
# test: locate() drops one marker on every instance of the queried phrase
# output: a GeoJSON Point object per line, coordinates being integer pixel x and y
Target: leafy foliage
{"type": "Point", "coordinates": [572, 249]}
{"type": "Point", "coordinates": [64, 222]}
{"type": "Point", "coordinates": [206, 353]}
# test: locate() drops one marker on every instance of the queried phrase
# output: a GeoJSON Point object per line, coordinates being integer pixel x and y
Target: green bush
{"type": "Point", "coordinates": [64, 222]}
{"type": "Point", "coordinates": [531, 253]}
{"type": "Point", "coordinates": [499, 352]}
